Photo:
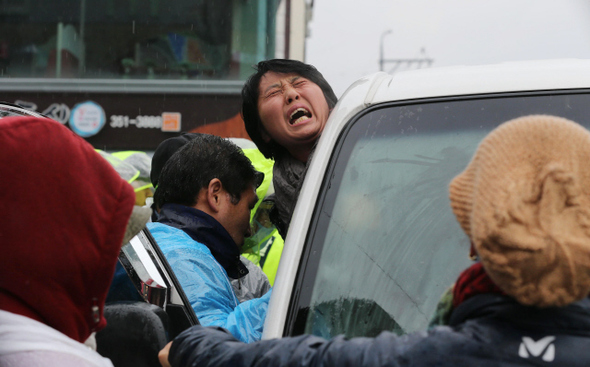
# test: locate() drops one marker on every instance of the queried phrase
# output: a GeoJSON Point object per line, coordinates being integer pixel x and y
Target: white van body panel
{"type": "Point", "coordinates": [404, 86]}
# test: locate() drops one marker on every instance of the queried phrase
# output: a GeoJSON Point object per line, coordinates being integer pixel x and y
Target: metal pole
{"type": "Point", "coordinates": [287, 28]}
{"type": "Point", "coordinates": [261, 30]}
{"type": "Point", "coordinates": [82, 60]}
{"type": "Point", "coordinates": [381, 48]}
{"type": "Point", "coordinates": [58, 48]}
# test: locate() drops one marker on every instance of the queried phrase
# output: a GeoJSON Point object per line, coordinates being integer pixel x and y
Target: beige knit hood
{"type": "Point", "coordinates": [524, 201]}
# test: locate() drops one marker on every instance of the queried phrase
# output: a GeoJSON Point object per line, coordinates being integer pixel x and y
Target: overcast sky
{"type": "Point", "coordinates": [345, 34]}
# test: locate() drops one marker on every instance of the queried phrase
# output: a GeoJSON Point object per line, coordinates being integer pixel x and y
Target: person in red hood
{"type": "Point", "coordinates": [66, 215]}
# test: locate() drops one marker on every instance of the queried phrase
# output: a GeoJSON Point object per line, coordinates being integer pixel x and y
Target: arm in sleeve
{"type": "Point", "coordinates": [212, 298]}
{"type": "Point", "coordinates": [207, 346]}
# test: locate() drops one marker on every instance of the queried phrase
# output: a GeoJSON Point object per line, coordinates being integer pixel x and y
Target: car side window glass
{"type": "Point", "coordinates": [385, 244]}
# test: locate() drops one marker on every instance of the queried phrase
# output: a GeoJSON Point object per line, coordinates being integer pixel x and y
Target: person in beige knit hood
{"type": "Point", "coordinates": [524, 202]}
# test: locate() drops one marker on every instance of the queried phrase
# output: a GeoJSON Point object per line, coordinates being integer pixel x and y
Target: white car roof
{"type": "Point", "coordinates": [465, 80]}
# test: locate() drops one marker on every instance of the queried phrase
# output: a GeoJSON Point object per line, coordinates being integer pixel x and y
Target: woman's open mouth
{"type": "Point", "coordinates": [299, 115]}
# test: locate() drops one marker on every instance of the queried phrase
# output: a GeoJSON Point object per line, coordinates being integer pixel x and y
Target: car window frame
{"type": "Point", "coordinates": [302, 289]}
{"type": "Point", "coordinates": [176, 304]}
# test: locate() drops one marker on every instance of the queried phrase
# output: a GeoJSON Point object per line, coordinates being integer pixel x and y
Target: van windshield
{"type": "Point", "coordinates": [384, 243]}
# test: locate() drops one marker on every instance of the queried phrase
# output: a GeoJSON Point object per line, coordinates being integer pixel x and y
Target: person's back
{"type": "Point", "coordinates": [26, 342]}
{"type": "Point", "coordinates": [204, 196]}
{"type": "Point", "coordinates": [265, 246]}
{"type": "Point", "coordinates": [142, 162]}
{"type": "Point", "coordinates": [67, 217]}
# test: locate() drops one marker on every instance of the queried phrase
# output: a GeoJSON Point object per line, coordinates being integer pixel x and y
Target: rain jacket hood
{"type": "Point", "coordinates": [204, 229]}
{"type": "Point", "coordinates": [66, 214]}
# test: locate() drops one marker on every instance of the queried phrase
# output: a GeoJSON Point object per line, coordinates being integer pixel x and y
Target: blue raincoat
{"type": "Point", "coordinates": [208, 287]}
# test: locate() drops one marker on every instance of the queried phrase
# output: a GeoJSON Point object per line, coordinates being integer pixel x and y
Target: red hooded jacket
{"type": "Point", "coordinates": [65, 211]}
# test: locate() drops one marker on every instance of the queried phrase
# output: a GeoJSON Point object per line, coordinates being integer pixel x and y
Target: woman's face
{"type": "Point", "coordinates": [293, 111]}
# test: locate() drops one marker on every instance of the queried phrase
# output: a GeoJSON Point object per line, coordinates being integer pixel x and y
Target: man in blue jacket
{"type": "Point", "coordinates": [205, 193]}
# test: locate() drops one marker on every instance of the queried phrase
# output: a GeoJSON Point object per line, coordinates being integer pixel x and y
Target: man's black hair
{"type": "Point", "coordinates": [199, 161]}
{"type": "Point", "coordinates": [251, 92]}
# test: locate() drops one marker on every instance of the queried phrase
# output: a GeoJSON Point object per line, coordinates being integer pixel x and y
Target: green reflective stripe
{"type": "Point", "coordinates": [269, 236]}
{"type": "Point", "coordinates": [267, 252]}
{"type": "Point", "coordinates": [125, 153]}
{"type": "Point", "coordinates": [117, 163]}
{"type": "Point", "coordinates": [134, 177]}
{"type": "Point", "coordinates": [143, 187]}
{"type": "Point", "coordinates": [254, 257]}
{"type": "Point", "coordinates": [270, 256]}
{"type": "Point", "coordinates": [273, 257]}
{"type": "Point", "coordinates": [264, 165]}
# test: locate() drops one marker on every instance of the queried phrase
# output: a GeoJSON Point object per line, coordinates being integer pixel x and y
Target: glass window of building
{"type": "Point", "coordinates": [147, 39]}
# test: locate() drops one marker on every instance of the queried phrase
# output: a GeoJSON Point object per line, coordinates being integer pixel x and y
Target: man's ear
{"type": "Point", "coordinates": [214, 194]}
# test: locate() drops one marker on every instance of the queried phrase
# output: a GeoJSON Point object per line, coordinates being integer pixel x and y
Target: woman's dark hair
{"type": "Point", "coordinates": [250, 94]}
{"type": "Point", "coordinates": [199, 161]}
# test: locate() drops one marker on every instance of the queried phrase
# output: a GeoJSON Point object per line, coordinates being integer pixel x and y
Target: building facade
{"type": "Point", "coordinates": [128, 74]}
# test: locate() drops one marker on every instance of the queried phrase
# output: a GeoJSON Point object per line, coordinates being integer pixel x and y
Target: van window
{"type": "Point", "coordinates": [384, 244]}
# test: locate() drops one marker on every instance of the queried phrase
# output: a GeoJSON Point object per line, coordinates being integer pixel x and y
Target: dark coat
{"type": "Point", "coordinates": [485, 330]}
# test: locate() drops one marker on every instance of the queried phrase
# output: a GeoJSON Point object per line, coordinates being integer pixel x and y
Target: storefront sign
{"type": "Point", "coordinates": [171, 122]}
{"type": "Point", "coordinates": [87, 119]}
{"type": "Point", "coordinates": [135, 121]}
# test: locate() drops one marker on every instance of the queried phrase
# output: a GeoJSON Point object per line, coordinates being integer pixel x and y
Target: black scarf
{"type": "Point", "coordinates": [288, 174]}
{"type": "Point", "coordinates": [204, 229]}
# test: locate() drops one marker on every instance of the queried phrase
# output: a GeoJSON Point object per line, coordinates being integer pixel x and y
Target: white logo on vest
{"type": "Point", "coordinates": [529, 347]}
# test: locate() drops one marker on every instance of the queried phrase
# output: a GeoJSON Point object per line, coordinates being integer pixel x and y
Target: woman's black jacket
{"type": "Point", "coordinates": [485, 330]}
